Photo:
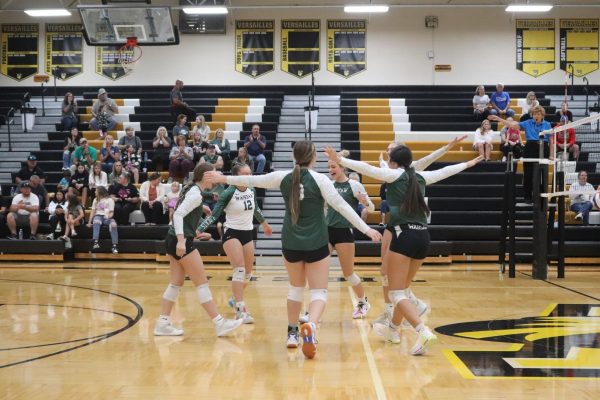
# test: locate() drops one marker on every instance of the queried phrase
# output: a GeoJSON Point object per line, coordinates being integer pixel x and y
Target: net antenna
{"type": "Point", "coordinates": [129, 54]}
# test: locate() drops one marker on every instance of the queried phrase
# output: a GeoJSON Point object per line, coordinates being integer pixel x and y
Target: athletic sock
{"type": "Point", "coordinates": [240, 305]}
{"type": "Point", "coordinates": [420, 327]}
{"type": "Point", "coordinates": [164, 318]}
{"type": "Point", "coordinates": [389, 308]}
{"type": "Point", "coordinates": [362, 300]}
{"type": "Point", "coordinates": [393, 326]}
{"type": "Point", "coordinates": [218, 319]}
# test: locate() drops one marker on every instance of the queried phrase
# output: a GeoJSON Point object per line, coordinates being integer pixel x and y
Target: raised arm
{"type": "Point", "coordinates": [382, 174]}
{"type": "Point", "coordinates": [423, 163]}
{"type": "Point", "coordinates": [224, 199]}
{"type": "Point", "coordinates": [268, 181]}
{"type": "Point", "coordinates": [359, 192]}
{"type": "Point", "coordinates": [446, 172]}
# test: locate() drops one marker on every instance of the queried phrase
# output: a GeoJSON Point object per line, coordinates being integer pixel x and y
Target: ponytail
{"type": "Point", "coordinates": [295, 195]}
{"type": "Point", "coordinates": [198, 176]}
{"type": "Point", "coordinates": [414, 202]}
{"type": "Point", "coordinates": [304, 154]}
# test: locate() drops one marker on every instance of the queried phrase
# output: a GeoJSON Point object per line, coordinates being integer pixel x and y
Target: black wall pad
{"type": "Point", "coordinates": [371, 249]}
{"type": "Point", "coordinates": [32, 247]}
{"type": "Point", "coordinates": [125, 246]}
{"type": "Point", "coordinates": [464, 203]}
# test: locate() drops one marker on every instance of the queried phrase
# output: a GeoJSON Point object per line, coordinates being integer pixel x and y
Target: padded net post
{"type": "Point", "coordinates": [507, 243]}
{"type": "Point", "coordinates": [540, 216]}
{"type": "Point", "coordinates": [560, 180]}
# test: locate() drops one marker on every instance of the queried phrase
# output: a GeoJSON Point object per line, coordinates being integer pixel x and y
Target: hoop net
{"type": "Point", "coordinates": [129, 54]}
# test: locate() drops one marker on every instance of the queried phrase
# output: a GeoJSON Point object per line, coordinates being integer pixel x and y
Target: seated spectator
{"type": "Point", "coordinates": [482, 142]}
{"type": "Point", "coordinates": [180, 127]}
{"type": "Point", "coordinates": [530, 102]}
{"type": "Point", "coordinates": [84, 155]}
{"type": "Point", "coordinates": [202, 128]}
{"type": "Point", "coordinates": [211, 157]}
{"type": "Point", "coordinates": [222, 147]}
{"type": "Point", "coordinates": [103, 111]}
{"type": "Point", "coordinates": [24, 212]}
{"type": "Point", "coordinates": [480, 104]}
{"type": "Point", "coordinates": [178, 106]}
{"type": "Point", "coordinates": [243, 159]}
{"type": "Point", "coordinates": [75, 217]}
{"type": "Point", "coordinates": [71, 143]}
{"type": "Point", "coordinates": [172, 197]}
{"type": "Point", "coordinates": [130, 159]}
{"type": "Point", "coordinates": [69, 118]}
{"type": "Point", "coordinates": [181, 157]}
{"type": "Point", "coordinates": [126, 198]}
{"type": "Point", "coordinates": [80, 183]}
{"type": "Point", "coordinates": [97, 179]}
{"type": "Point", "coordinates": [581, 203]}
{"type": "Point", "coordinates": [151, 196]}
{"type": "Point", "coordinates": [130, 140]}
{"type": "Point", "coordinates": [35, 183]}
{"type": "Point", "coordinates": [109, 153]}
{"type": "Point", "coordinates": [162, 146]}
{"type": "Point", "coordinates": [564, 112]}
{"type": "Point", "coordinates": [199, 146]}
{"type": "Point", "coordinates": [4, 206]}
{"type": "Point", "coordinates": [500, 101]}
{"type": "Point", "coordinates": [113, 177]}
{"type": "Point", "coordinates": [65, 182]}
{"type": "Point", "coordinates": [565, 141]}
{"type": "Point", "coordinates": [102, 213]}
{"type": "Point", "coordinates": [510, 141]}
{"type": "Point", "coordinates": [256, 144]}
{"type": "Point", "coordinates": [31, 168]}
{"type": "Point", "coordinates": [383, 208]}
{"type": "Point", "coordinates": [57, 209]}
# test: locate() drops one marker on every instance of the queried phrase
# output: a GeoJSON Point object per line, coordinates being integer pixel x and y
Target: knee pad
{"type": "Point", "coordinates": [296, 293]}
{"type": "Point", "coordinates": [239, 273]}
{"type": "Point", "coordinates": [171, 293]}
{"type": "Point", "coordinates": [248, 277]}
{"type": "Point", "coordinates": [318, 294]}
{"type": "Point", "coordinates": [384, 281]}
{"type": "Point", "coordinates": [396, 296]}
{"type": "Point", "coordinates": [353, 279]}
{"type": "Point", "coordinates": [203, 292]}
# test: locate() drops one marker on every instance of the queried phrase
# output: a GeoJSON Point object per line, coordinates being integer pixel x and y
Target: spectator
{"type": "Point", "coordinates": [181, 160]}
{"type": "Point", "coordinates": [126, 198]}
{"type": "Point", "coordinates": [130, 160]}
{"type": "Point", "coordinates": [71, 143]}
{"type": "Point", "coordinates": [109, 154]}
{"type": "Point", "coordinates": [80, 183]}
{"type": "Point", "coordinates": [151, 196]}
{"type": "Point", "coordinates": [113, 177]}
{"type": "Point", "coordinates": [383, 208]}
{"type": "Point", "coordinates": [35, 183]}
{"type": "Point", "coordinates": [500, 101]}
{"type": "Point", "coordinates": [172, 197]}
{"type": "Point", "coordinates": [103, 209]}
{"type": "Point", "coordinates": [180, 127]}
{"type": "Point", "coordinates": [256, 144]}
{"type": "Point", "coordinates": [178, 106]}
{"type": "Point", "coordinates": [581, 203]}
{"type": "Point", "coordinates": [565, 140]}
{"type": "Point", "coordinates": [211, 157]}
{"type": "Point", "coordinates": [510, 141]}
{"type": "Point", "coordinates": [69, 113]}
{"type": "Point", "coordinates": [24, 212]}
{"type": "Point", "coordinates": [199, 146]}
{"type": "Point", "coordinates": [202, 128]}
{"type": "Point", "coordinates": [103, 111]}
{"type": "Point", "coordinates": [531, 101]}
{"type": "Point", "coordinates": [243, 159]}
{"type": "Point", "coordinates": [31, 168]}
{"type": "Point", "coordinates": [65, 181]}
{"type": "Point", "coordinates": [162, 147]}
{"type": "Point", "coordinates": [97, 178]}
{"type": "Point", "coordinates": [222, 147]}
{"type": "Point", "coordinates": [130, 140]}
{"type": "Point", "coordinates": [480, 104]}
{"type": "Point", "coordinates": [482, 142]}
{"type": "Point", "coordinates": [84, 155]}
{"type": "Point", "coordinates": [56, 209]}
{"type": "Point", "coordinates": [4, 206]}
{"type": "Point", "coordinates": [75, 217]}
{"type": "Point", "coordinates": [564, 112]}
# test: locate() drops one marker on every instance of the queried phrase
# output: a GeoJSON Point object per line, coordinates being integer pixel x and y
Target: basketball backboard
{"type": "Point", "coordinates": [112, 25]}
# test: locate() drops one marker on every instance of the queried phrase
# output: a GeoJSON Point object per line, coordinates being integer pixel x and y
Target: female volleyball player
{"type": "Point", "coordinates": [184, 259]}
{"type": "Point", "coordinates": [304, 236]}
{"type": "Point", "coordinates": [239, 204]}
{"type": "Point", "coordinates": [410, 239]}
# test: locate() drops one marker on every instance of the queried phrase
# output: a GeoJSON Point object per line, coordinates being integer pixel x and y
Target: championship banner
{"type": "Point", "coordinates": [19, 50]}
{"type": "Point", "coordinates": [346, 46]}
{"type": "Point", "coordinates": [254, 41]}
{"type": "Point", "coordinates": [64, 50]}
{"type": "Point", "coordinates": [579, 46]}
{"type": "Point", "coordinates": [300, 46]}
{"type": "Point", "coordinates": [535, 46]}
{"type": "Point", "coordinates": [107, 62]}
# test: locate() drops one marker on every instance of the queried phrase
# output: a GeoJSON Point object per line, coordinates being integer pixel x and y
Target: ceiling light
{"type": "Point", "coordinates": [529, 8]}
{"type": "Point", "coordinates": [205, 10]}
{"type": "Point", "coordinates": [366, 8]}
{"type": "Point", "coordinates": [53, 12]}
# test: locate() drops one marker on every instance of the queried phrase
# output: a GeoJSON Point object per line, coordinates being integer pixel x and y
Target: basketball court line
{"type": "Point", "coordinates": [564, 287]}
{"type": "Point", "coordinates": [375, 376]}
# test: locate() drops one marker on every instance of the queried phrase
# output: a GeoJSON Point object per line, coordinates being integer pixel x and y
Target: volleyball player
{"type": "Point", "coordinates": [304, 237]}
{"type": "Point", "coordinates": [410, 238]}
{"type": "Point", "coordinates": [341, 237]}
{"type": "Point", "coordinates": [184, 259]}
{"type": "Point", "coordinates": [239, 204]}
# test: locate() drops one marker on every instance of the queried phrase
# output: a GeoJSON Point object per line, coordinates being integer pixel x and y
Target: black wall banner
{"type": "Point", "coordinates": [300, 46]}
{"type": "Point", "coordinates": [19, 44]}
{"type": "Point", "coordinates": [535, 46]}
{"type": "Point", "coordinates": [107, 62]}
{"type": "Point", "coordinates": [579, 46]}
{"type": "Point", "coordinates": [254, 42]}
{"type": "Point", "coordinates": [64, 50]}
{"type": "Point", "coordinates": [346, 46]}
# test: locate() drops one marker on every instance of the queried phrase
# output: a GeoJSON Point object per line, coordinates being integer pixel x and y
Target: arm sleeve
{"type": "Point", "coordinates": [358, 187]}
{"type": "Point", "coordinates": [383, 164]}
{"type": "Point", "coordinates": [423, 163]}
{"type": "Point", "coordinates": [268, 181]}
{"type": "Point", "coordinates": [224, 199]}
{"type": "Point", "coordinates": [258, 214]}
{"type": "Point", "coordinates": [442, 173]}
{"type": "Point", "coordinates": [193, 200]}
{"type": "Point", "coordinates": [386, 175]}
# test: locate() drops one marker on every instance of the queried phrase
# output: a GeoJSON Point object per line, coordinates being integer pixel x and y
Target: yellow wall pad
{"type": "Point", "coordinates": [233, 102]}
{"type": "Point", "coordinates": [228, 118]}
{"type": "Point", "coordinates": [374, 110]}
{"type": "Point", "coordinates": [366, 118]}
{"type": "Point", "coordinates": [375, 126]}
{"type": "Point", "coordinates": [373, 102]}
{"type": "Point", "coordinates": [231, 109]}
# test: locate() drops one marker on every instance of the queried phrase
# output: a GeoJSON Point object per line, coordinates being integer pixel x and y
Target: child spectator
{"type": "Point", "coordinates": [113, 177]}
{"type": "Point", "coordinates": [65, 181]}
{"type": "Point", "coordinates": [56, 209]}
{"type": "Point", "coordinates": [483, 140]}
{"type": "Point", "coordinates": [97, 178]}
{"type": "Point", "coordinates": [71, 143]}
{"type": "Point", "coordinates": [172, 199]}
{"type": "Point", "coordinates": [130, 160]}
{"type": "Point", "coordinates": [75, 216]}
{"type": "Point", "coordinates": [510, 138]}
{"type": "Point", "coordinates": [80, 181]}
{"type": "Point", "coordinates": [102, 214]}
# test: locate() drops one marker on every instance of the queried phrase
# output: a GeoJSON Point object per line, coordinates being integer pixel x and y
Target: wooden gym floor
{"type": "Point", "coordinates": [86, 333]}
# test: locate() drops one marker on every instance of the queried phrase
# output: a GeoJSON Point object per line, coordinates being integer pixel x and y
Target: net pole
{"type": "Point", "coordinates": [505, 214]}
{"type": "Point", "coordinates": [540, 209]}
{"type": "Point", "coordinates": [511, 219]}
{"type": "Point", "coordinates": [561, 229]}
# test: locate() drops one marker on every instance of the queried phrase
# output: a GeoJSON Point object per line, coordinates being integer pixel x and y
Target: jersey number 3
{"type": "Point", "coordinates": [248, 205]}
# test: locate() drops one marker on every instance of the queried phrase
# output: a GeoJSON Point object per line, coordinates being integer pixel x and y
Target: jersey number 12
{"type": "Point", "coordinates": [247, 205]}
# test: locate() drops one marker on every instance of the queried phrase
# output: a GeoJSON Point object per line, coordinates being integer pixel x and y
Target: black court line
{"type": "Point", "coordinates": [564, 287]}
{"type": "Point", "coordinates": [130, 321]}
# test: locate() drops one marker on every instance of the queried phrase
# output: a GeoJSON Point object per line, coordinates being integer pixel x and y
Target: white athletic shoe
{"type": "Point", "coordinates": [425, 339]}
{"type": "Point", "coordinates": [165, 328]}
{"type": "Point", "coordinates": [304, 318]}
{"type": "Point", "coordinates": [383, 319]}
{"type": "Point", "coordinates": [293, 340]}
{"type": "Point", "coordinates": [579, 217]}
{"type": "Point", "coordinates": [361, 310]}
{"type": "Point", "coordinates": [387, 332]}
{"type": "Point", "coordinates": [309, 337]}
{"type": "Point", "coordinates": [227, 325]}
{"type": "Point", "coordinates": [244, 316]}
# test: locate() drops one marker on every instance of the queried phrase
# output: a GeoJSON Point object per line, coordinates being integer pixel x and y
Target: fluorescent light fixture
{"type": "Point", "coordinates": [205, 10]}
{"type": "Point", "coordinates": [366, 8]}
{"type": "Point", "coordinates": [528, 8]}
{"type": "Point", "coordinates": [52, 12]}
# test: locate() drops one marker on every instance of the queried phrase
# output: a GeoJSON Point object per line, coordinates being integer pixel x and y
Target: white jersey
{"type": "Point", "coordinates": [240, 208]}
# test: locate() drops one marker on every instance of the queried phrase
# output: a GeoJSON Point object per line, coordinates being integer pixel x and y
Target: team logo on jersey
{"type": "Point", "coordinates": [563, 342]}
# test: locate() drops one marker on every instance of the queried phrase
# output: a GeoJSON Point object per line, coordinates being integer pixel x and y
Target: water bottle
{"type": "Point", "coordinates": [12, 191]}
{"type": "Point", "coordinates": [145, 162]}
{"type": "Point", "coordinates": [21, 234]}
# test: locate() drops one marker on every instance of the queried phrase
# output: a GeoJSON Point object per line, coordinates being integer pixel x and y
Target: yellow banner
{"type": "Point", "coordinates": [535, 46]}
{"type": "Point", "coordinates": [300, 46]}
{"type": "Point", "coordinates": [254, 43]}
{"type": "Point", "coordinates": [579, 46]}
{"type": "Point", "coordinates": [19, 48]}
{"type": "Point", "coordinates": [346, 46]}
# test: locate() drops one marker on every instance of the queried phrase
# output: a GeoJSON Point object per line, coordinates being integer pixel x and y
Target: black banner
{"type": "Point", "coordinates": [346, 46]}
{"type": "Point", "coordinates": [579, 46]}
{"type": "Point", "coordinates": [254, 42]}
{"type": "Point", "coordinates": [300, 46]}
{"type": "Point", "coordinates": [64, 50]}
{"type": "Point", "coordinates": [107, 62]}
{"type": "Point", "coordinates": [20, 53]}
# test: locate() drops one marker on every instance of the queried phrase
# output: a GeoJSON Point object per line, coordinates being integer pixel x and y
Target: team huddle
{"type": "Point", "coordinates": [309, 237]}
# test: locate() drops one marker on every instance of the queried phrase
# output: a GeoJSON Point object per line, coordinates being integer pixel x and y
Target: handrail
{"type": "Point", "coordinates": [587, 95]}
{"type": "Point", "coordinates": [8, 122]}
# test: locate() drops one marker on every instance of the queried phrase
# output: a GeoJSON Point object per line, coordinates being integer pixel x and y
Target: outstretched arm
{"type": "Point", "coordinates": [360, 193]}
{"type": "Point", "coordinates": [446, 172]}
{"type": "Point", "coordinates": [423, 163]}
{"type": "Point", "coordinates": [224, 199]}
{"type": "Point", "coordinates": [387, 174]}
{"type": "Point", "coordinates": [268, 181]}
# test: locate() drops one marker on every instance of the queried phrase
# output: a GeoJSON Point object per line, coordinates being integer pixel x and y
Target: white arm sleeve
{"type": "Point", "coordinates": [442, 173]}
{"type": "Point", "coordinates": [383, 164]}
{"type": "Point", "coordinates": [332, 197]}
{"type": "Point", "coordinates": [268, 181]}
{"type": "Point", "coordinates": [358, 187]}
{"type": "Point", "coordinates": [387, 175]}
{"type": "Point", "coordinates": [423, 163]}
{"type": "Point", "coordinates": [193, 200]}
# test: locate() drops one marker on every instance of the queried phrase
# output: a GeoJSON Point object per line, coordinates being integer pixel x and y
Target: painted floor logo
{"type": "Point", "coordinates": [563, 342]}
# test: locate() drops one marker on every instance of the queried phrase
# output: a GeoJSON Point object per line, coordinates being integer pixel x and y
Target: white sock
{"type": "Point", "coordinates": [164, 318]}
{"type": "Point", "coordinates": [419, 327]}
{"type": "Point", "coordinates": [362, 299]}
{"type": "Point", "coordinates": [393, 326]}
{"type": "Point", "coordinates": [218, 319]}
{"type": "Point", "coordinates": [240, 305]}
{"type": "Point", "coordinates": [389, 308]}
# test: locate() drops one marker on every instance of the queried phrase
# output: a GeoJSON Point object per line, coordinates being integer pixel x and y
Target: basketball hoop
{"type": "Point", "coordinates": [129, 54]}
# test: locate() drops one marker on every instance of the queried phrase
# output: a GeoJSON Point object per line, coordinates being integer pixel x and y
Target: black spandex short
{"type": "Point", "coordinates": [171, 243]}
{"type": "Point", "coordinates": [243, 236]}
{"type": "Point", "coordinates": [340, 235]}
{"type": "Point", "coordinates": [410, 240]}
{"type": "Point", "coordinates": [308, 256]}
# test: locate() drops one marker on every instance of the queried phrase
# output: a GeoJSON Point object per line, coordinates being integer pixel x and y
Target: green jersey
{"type": "Point", "coordinates": [349, 191]}
{"type": "Point", "coordinates": [395, 195]}
{"type": "Point", "coordinates": [188, 214]}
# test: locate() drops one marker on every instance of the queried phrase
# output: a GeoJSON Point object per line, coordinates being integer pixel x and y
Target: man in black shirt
{"type": "Point", "coordinates": [178, 106]}
{"type": "Point", "coordinates": [30, 169]}
{"type": "Point", "coordinates": [126, 198]}
{"type": "Point", "coordinates": [37, 188]}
